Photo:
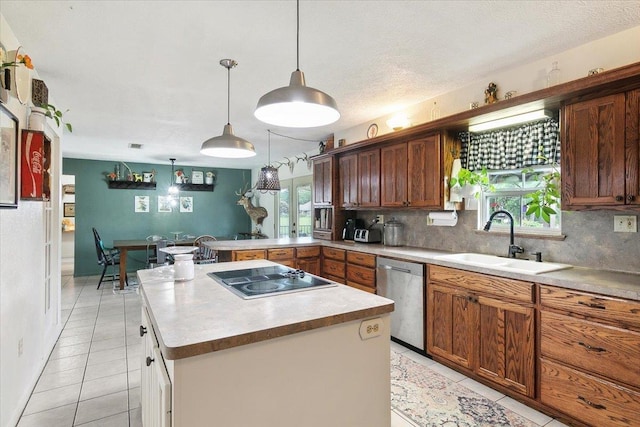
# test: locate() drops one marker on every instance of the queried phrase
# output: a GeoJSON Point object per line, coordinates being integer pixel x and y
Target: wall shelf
{"type": "Point", "coordinates": [195, 187]}
{"type": "Point", "coordinates": [131, 185]}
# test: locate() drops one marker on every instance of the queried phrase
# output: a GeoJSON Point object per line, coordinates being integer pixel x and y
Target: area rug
{"type": "Point", "coordinates": [429, 399]}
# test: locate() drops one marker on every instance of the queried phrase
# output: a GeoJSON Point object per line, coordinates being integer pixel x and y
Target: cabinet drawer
{"type": "Point", "coordinates": [586, 398]}
{"type": "Point", "coordinates": [308, 252]}
{"type": "Point", "coordinates": [493, 285]}
{"type": "Point", "coordinates": [616, 310]}
{"type": "Point", "coordinates": [361, 287]}
{"type": "Point", "coordinates": [608, 351]}
{"type": "Point", "coordinates": [361, 258]}
{"type": "Point", "coordinates": [281, 253]}
{"type": "Point", "coordinates": [248, 255]}
{"type": "Point", "coordinates": [334, 278]}
{"type": "Point", "coordinates": [362, 275]}
{"type": "Point", "coordinates": [333, 268]}
{"type": "Point", "coordinates": [333, 253]}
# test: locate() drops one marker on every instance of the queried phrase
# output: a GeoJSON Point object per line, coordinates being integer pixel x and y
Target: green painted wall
{"type": "Point", "coordinates": [111, 211]}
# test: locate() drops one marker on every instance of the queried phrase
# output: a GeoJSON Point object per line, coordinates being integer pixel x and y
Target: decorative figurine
{"type": "Point", "coordinates": [491, 94]}
{"type": "Point", "coordinates": [321, 147]}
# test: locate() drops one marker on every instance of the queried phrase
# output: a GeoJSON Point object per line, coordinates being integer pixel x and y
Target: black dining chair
{"type": "Point", "coordinates": [107, 257]}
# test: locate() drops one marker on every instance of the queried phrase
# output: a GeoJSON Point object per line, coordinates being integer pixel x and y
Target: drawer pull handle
{"type": "Point", "coordinates": [143, 330]}
{"type": "Point", "coordinates": [590, 403]}
{"type": "Point", "coordinates": [592, 305]}
{"type": "Point", "coordinates": [590, 348]}
{"type": "Point", "coordinates": [149, 361]}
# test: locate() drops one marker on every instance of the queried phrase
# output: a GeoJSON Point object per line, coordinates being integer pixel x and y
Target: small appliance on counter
{"type": "Point", "coordinates": [349, 230]}
{"type": "Point", "coordinates": [393, 233]}
{"type": "Point", "coordinates": [370, 235]}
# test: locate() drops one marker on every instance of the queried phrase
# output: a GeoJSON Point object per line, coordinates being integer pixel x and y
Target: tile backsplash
{"type": "Point", "coordinates": [590, 240]}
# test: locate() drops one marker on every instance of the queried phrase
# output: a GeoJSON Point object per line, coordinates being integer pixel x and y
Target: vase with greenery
{"type": "Point", "coordinates": [477, 181]}
{"type": "Point", "coordinates": [52, 112]}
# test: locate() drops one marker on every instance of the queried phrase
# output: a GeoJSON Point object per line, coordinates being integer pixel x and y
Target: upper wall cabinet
{"type": "Point", "coordinates": [600, 158]}
{"type": "Point", "coordinates": [323, 181]}
{"type": "Point", "coordinates": [360, 179]}
{"type": "Point", "coordinates": [411, 174]}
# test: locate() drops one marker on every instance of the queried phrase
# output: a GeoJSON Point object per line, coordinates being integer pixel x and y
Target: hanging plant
{"type": "Point", "coordinates": [472, 179]}
{"type": "Point", "coordinates": [53, 113]}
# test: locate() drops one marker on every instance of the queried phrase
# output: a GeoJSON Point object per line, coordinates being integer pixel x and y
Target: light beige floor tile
{"type": "Point", "coordinates": [69, 350]}
{"type": "Point", "coordinates": [109, 343]}
{"type": "Point", "coordinates": [134, 378]}
{"type": "Point", "coordinates": [76, 331]}
{"type": "Point", "coordinates": [106, 369]}
{"type": "Point", "coordinates": [53, 398]}
{"type": "Point", "coordinates": [57, 417]}
{"type": "Point", "coordinates": [482, 389]}
{"type": "Point", "coordinates": [102, 407]}
{"type": "Point", "coordinates": [103, 356]}
{"type": "Point", "coordinates": [80, 323]}
{"type": "Point", "coordinates": [59, 379]}
{"type": "Point", "coordinates": [134, 397]}
{"type": "Point", "coordinates": [447, 372]}
{"type": "Point", "coordinates": [525, 411]}
{"type": "Point", "coordinates": [135, 417]}
{"type": "Point", "coordinates": [65, 363]}
{"type": "Point", "coordinates": [80, 315]}
{"type": "Point", "coordinates": [418, 358]}
{"type": "Point", "coordinates": [103, 386]}
{"type": "Point", "coordinates": [398, 420]}
{"type": "Point", "coordinates": [118, 420]}
{"type": "Point", "coordinates": [78, 339]}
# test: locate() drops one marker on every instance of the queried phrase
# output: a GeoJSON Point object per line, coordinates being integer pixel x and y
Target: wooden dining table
{"type": "Point", "coordinates": [138, 245]}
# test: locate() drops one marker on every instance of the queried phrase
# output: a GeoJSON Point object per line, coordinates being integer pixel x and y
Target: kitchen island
{"type": "Point", "coordinates": [318, 357]}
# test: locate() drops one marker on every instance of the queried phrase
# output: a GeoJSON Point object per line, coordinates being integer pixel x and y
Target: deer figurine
{"type": "Point", "coordinates": [256, 213]}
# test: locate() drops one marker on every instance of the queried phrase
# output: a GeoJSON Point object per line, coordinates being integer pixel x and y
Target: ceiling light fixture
{"type": "Point", "coordinates": [512, 120]}
{"type": "Point", "coordinates": [268, 180]}
{"type": "Point", "coordinates": [228, 145]}
{"type": "Point", "coordinates": [398, 121]}
{"type": "Point", "coordinates": [297, 105]}
{"type": "Point", "coordinates": [174, 191]}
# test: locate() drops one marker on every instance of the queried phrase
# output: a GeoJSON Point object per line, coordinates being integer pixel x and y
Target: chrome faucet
{"type": "Point", "coordinates": [513, 248]}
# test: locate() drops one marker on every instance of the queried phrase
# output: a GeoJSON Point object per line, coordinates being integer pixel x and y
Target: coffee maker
{"type": "Point", "coordinates": [349, 230]}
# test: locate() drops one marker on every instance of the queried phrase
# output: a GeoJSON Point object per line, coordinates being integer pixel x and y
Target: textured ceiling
{"type": "Point", "coordinates": [147, 72]}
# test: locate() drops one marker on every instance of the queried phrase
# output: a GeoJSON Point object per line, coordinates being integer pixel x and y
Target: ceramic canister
{"type": "Point", "coordinates": [183, 267]}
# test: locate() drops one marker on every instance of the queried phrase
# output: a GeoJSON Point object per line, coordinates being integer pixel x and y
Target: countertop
{"type": "Point", "coordinates": [605, 282]}
{"type": "Point", "coordinates": [201, 316]}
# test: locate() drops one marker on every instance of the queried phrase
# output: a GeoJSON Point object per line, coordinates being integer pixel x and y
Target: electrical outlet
{"type": "Point", "coordinates": [625, 224]}
{"type": "Point", "coordinates": [370, 328]}
{"type": "Point", "coordinates": [20, 347]}
{"type": "Point", "coordinates": [380, 219]}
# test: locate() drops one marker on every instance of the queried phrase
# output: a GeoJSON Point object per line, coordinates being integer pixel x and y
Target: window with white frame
{"type": "Point", "coordinates": [511, 191]}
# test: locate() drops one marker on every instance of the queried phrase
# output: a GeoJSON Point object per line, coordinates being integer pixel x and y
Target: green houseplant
{"type": "Point", "coordinates": [543, 201]}
{"type": "Point", "coordinates": [53, 113]}
{"type": "Point", "coordinates": [477, 180]}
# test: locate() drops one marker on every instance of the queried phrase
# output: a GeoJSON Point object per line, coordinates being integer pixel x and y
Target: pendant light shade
{"type": "Point", "coordinates": [297, 105]}
{"type": "Point", "coordinates": [228, 145]}
{"type": "Point", "coordinates": [268, 179]}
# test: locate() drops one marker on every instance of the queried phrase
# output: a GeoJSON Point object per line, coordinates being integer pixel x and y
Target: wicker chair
{"type": "Point", "coordinates": [204, 254]}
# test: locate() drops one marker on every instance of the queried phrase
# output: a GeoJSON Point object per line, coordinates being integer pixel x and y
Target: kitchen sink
{"type": "Point", "coordinates": [505, 264]}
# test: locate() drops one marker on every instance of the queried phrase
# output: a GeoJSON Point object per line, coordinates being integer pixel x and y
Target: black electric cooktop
{"type": "Point", "coordinates": [268, 281]}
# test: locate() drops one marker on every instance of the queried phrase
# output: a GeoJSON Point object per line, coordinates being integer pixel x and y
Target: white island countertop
{"type": "Point", "coordinates": [201, 316]}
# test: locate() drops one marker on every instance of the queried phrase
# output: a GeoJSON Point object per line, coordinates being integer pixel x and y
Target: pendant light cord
{"type": "Point", "coordinates": [297, 35]}
{"type": "Point", "coordinates": [228, 93]}
{"type": "Point", "coordinates": [269, 149]}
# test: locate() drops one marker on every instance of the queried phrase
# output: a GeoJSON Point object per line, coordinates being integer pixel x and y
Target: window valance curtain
{"type": "Point", "coordinates": [530, 144]}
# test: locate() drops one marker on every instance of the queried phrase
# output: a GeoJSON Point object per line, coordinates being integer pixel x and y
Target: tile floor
{"type": "Point", "coordinates": [92, 377]}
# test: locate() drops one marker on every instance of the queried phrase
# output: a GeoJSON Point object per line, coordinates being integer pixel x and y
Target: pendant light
{"type": "Point", "coordinates": [268, 179]}
{"type": "Point", "coordinates": [228, 145]}
{"type": "Point", "coordinates": [174, 191]}
{"type": "Point", "coordinates": [297, 105]}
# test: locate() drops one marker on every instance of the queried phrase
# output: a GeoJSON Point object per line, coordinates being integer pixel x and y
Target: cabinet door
{"type": "Point", "coordinates": [349, 181]}
{"type": "Point", "coordinates": [369, 178]}
{"type": "Point", "coordinates": [424, 177]}
{"type": "Point", "coordinates": [310, 265]}
{"type": "Point", "coordinates": [322, 181]}
{"type": "Point", "coordinates": [593, 153]}
{"type": "Point", "coordinates": [393, 175]}
{"type": "Point", "coordinates": [450, 324]}
{"type": "Point", "coordinates": [505, 344]}
{"type": "Point", "coordinates": [632, 136]}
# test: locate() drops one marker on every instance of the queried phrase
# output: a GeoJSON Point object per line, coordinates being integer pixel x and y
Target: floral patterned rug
{"type": "Point", "coordinates": [429, 399]}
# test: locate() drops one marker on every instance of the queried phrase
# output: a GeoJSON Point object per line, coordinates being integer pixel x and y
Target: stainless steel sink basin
{"type": "Point", "coordinates": [505, 264]}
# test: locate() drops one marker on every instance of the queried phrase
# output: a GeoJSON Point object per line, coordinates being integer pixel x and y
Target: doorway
{"type": "Point", "coordinates": [67, 252]}
{"type": "Point", "coordinates": [293, 204]}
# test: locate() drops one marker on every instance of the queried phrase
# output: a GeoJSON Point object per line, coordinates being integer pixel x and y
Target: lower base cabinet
{"type": "Point", "coordinates": [155, 385]}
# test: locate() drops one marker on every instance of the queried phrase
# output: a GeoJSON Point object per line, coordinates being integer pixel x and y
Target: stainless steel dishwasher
{"type": "Point", "coordinates": [403, 282]}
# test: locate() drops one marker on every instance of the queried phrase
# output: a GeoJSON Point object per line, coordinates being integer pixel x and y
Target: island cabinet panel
{"type": "Point", "coordinates": [600, 160]}
{"type": "Point", "coordinates": [484, 324]}
{"type": "Point", "coordinates": [590, 356]}
{"type": "Point", "coordinates": [249, 254]}
{"type": "Point", "coordinates": [393, 179]}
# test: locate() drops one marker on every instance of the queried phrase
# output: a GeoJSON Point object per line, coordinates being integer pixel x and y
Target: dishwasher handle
{"type": "Point", "coordinates": [389, 267]}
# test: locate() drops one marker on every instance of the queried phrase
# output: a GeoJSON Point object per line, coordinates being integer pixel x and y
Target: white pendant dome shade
{"type": "Point", "coordinates": [297, 105]}
{"type": "Point", "coordinates": [228, 145]}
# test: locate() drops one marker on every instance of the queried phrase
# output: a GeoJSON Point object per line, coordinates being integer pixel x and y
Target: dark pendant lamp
{"type": "Point", "coordinates": [268, 179]}
{"type": "Point", "coordinates": [228, 145]}
{"type": "Point", "coordinates": [297, 105]}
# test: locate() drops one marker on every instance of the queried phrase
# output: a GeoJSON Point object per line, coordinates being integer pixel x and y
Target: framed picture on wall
{"type": "Point", "coordinates": [164, 204]}
{"type": "Point", "coordinates": [141, 204]}
{"type": "Point", "coordinates": [186, 204]}
{"type": "Point", "coordinates": [69, 210]}
{"type": "Point", "coordinates": [8, 159]}
{"type": "Point", "coordinates": [197, 177]}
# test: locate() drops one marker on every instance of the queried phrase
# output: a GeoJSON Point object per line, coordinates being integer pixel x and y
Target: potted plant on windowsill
{"type": "Point", "coordinates": [542, 202]}
{"type": "Point", "coordinates": [471, 183]}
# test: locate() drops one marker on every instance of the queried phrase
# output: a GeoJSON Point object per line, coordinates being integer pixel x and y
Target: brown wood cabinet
{"type": "Point", "coordinates": [323, 181]}
{"type": "Point", "coordinates": [361, 271]}
{"type": "Point", "coordinates": [284, 256]}
{"type": "Point", "coordinates": [333, 264]}
{"type": "Point", "coordinates": [248, 254]}
{"type": "Point", "coordinates": [600, 153]}
{"type": "Point", "coordinates": [411, 173]}
{"type": "Point", "coordinates": [308, 259]}
{"type": "Point", "coordinates": [328, 220]}
{"type": "Point", "coordinates": [360, 179]}
{"type": "Point", "coordinates": [484, 324]}
{"type": "Point", "coordinates": [589, 356]}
